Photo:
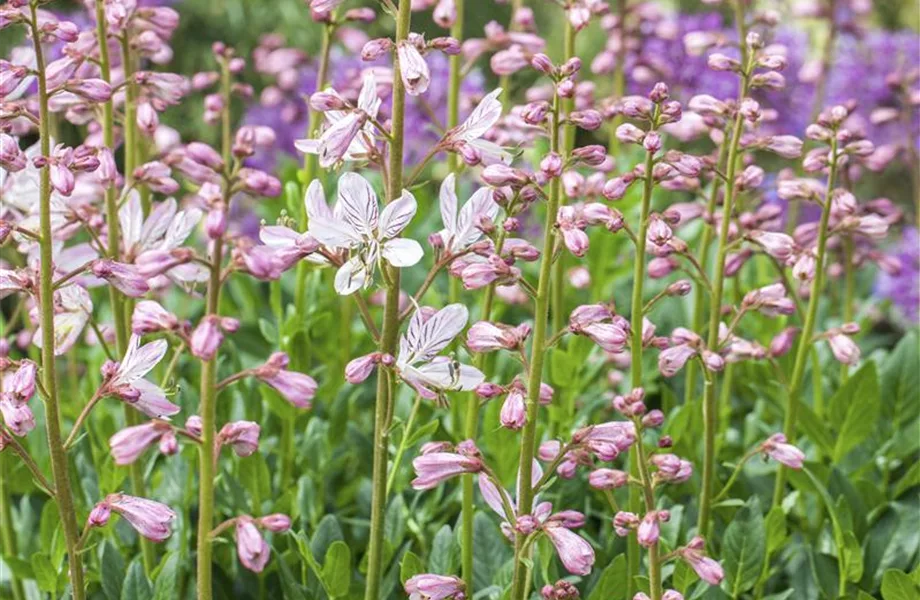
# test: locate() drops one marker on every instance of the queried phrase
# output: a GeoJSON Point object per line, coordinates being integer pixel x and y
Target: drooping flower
{"type": "Point", "coordinates": [151, 519]}
{"type": "Point", "coordinates": [776, 448]}
{"type": "Point", "coordinates": [297, 388]}
{"type": "Point", "coordinates": [435, 467]}
{"type": "Point", "coordinates": [358, 226]}
{"type": "Point", "coordinates": [694, 553]}
{"type": "Point", "coordinates": [242, 436]}
{"type": "Point", "coordinates": [418, 362]}
{"type": "Point", "coordinates": [128, 444]}
{"type": "Point", "coordinates": [429, 586]}
{"type": "Point", "coordinates": [251, 547]}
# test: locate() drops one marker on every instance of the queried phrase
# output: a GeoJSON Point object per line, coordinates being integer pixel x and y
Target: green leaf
{"type": "Point", "coordinates": [816, 429]}
{"type": "Point", "coordinates": [683, 577]}
{"type": "Point", "coordinates": [839, 539]}
{"type": "Point", "coordinates": [113, 571]}
{"type": "Point", "coordinates": [165, 587]}
{"type": "Point", "coordinates": [854, 557]}
{"type": "Point", "coordinates": [410, 566]}
{"type": "Point", "coordinates": [292, 589]}
{"type": "Point", "coordinates": [445, 554]}
{"type": "Point", "coordinates": [327, 531]}
{"type": "Point", "coordinates": [490, 550]}
{"type": "Point", "coordinates": [611, 585]}
{"type": "Point", "coordinates": [394, 528]}
{"type": "Point", "coordinates": [744, 548]}
{"type": "Point", "coordinates": [909, 480]}
{"type": "Point", "coordinates": [337, 569]}
{"type": "Point", "coordinates": [900, 379]}
{"type": "Point", "coordinates": [897, 585]}
{"type": "Point", "coordinates": [775, 524]}
{"type": "Point", "coordinates": [45, 574]}
{"type": "Point", "coordinates": [854, 410]}
{"type": "Point", "coordinates": [425, 430]}
{"type": "Point", "coordinates": [136, 586]}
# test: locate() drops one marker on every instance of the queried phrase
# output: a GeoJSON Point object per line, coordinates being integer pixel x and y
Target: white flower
{"type": "Point", "coordinates": [460, 229]}
{"type": "Point", "coordinates": [349, 135]}
{"type": "Point", "coordinates": [412, 68]}
{"type": "Point", "coordinates": [128, 380]}
{"type": "Point", "coordinates": [165, 229]}
{"type": "Point", "coordinates": [357, 225]}
{"type": "Point", "coordinates": [476, 125]}
{"type": "Point", "coordinates": [418, 362]}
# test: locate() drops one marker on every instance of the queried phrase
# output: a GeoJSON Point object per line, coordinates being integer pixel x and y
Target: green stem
{"type": "Point", "coordinates": [648, 495]}
{"type": "Point", "coordinates": [385, 387]}
{"type": "Point", "coordinates": [59, 467]}
{"type": "Point", "coordinates": [710, 416]}
{"type": "Point", "coordinates": [119, 312]}
{"type": "Point", "coordinates": [7, 533]}
{"type": "Point", "coordinates": [619, 80]}
{"type": "Point", "coordinates": [310, 163]}
{"type": "Point", "coordinates": [537, 356]}
{"type": "Point", "coordinates": [407, 433]}
{"type": "Point", "coordinates": [208, 407]}
{"type": "Point", "coordinates": [698, 291]}
{"type": "Point", "coordinates": [849, 293]}
{"type": "Point", "coordinates": [808, 328]}
{"type": "Point", "coordinates": [568, 143]}
{"type": "Point", "coordinates": [635, 467]}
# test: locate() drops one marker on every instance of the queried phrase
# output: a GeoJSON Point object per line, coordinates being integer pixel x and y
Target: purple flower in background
{"type": "Point", "coordinates": [904, 289]}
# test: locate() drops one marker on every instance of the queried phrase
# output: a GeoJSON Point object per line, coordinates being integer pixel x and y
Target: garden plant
{"type": "Point", "coordinates": [459, 299]}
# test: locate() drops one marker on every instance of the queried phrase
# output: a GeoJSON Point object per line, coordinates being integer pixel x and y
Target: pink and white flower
{"type": "Point", "coordinates": [418, 362]}
{"type": "Point", "coordinates": [357, 225]}
{"type": "Point", "coordinates": [126, 379]}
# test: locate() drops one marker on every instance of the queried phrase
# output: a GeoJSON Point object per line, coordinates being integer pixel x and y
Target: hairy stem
{"type": "Point", "coordinates": [208, 406]}
{"type": "Point", "coordinates": [710, 416]}
{"type": "Point", "coordinates": [537, 356]}
{"type": "Point", "coordinates": [648, 496]}
{"type": "Point", "coordinates": [808, 328]}
{"type": "Point", "coordinates": [310, 163]}
{"type": "Point", "coordinates": [557, 312]}
{"type": "Point", "coordinates": [59, 467]}
{"type": "Point", "coordinates": [636, 315]}
{"type": "Point", "coordinates": [389, 332]}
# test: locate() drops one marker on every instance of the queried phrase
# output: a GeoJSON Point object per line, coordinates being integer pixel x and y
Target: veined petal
{"type": "Point", "coordinates": [314, 201]}
{"type": "Point", "coordinates": [180, 227]}
{"type": "Point", "coordinates": [358, 203]}
{"type": "Point", "coordinates": [424, 339]}
{"type": "Point", "coordinates": [367, 99]}
{"type": "Point", "coordinates": [483, 117]}
{"type": "Point", "coordinates": [396, 216]}
{"type": "Point", "coordinates": [158, 223]}
{"type": "Point", "coordinates": [131, 219]}
{"type": "Point", "coordinates": [307, 146]}
{"type": "Point", "coordinates": [333, 233]}
{"type": "Point", "coordinates": [139, 360]}
{"type": "Point", "coordinates": [491, 152]}
{"type": "Point", "coordinates": [448, 204]}
{"type": "Point", "coordinates": [278, 236]}
{"type": "Point", "coordinates": [402, 252]}
{"type": "Point", "coordinates": [352, 276]}
{"type": "Point", "coordinates": [480, 204]}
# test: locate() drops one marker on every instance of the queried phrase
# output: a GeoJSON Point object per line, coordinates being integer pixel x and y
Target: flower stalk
{"type": "Point", "coordinates": [636, 319]}
{"type": "Point", "coordinates": [710, 416]}
{"type": "Point", "coordinates": [59, 467]}
{"type": "Point", "coordinates": [537, 356]}
{"type": "Point", "coordinates": [390, 329]}
{"type": "Point", "coordinates": [209, 390]}
{"type": "Point", "coordinates": [808, 327]}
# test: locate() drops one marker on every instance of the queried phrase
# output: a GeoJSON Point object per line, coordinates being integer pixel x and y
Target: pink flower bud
{"type": "Point", "coordinates": [586, 119]}
{"type": "Point", "coordinates": [206, 338]}
{"type": "Point", "coordinates": [359, 369]}
{"type": "Point", "coordinates": [276, 523]}
{"type": "Point", "coordinates": [242, 436]}
{"type": "Point", "coordinates": [376, 48]}
{"type": "Point", "coordinates": [513, 413]}
{"type": "Point", "coordinates": [608, 479]}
